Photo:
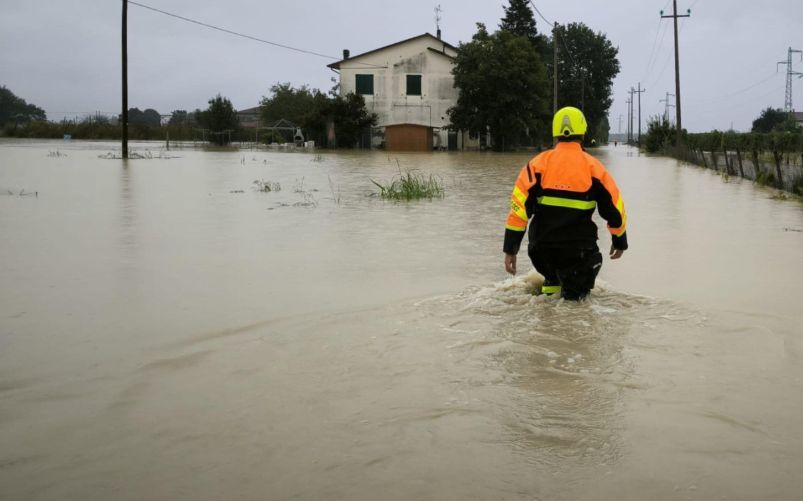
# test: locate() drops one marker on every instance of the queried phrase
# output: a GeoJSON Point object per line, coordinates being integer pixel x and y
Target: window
{"type": "Point", "coordinates": [413, 85]}
{"type": "Point", "coordinates": [365, 85]}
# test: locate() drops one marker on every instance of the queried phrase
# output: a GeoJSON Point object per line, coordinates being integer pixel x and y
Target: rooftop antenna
{"type": "Point", "coordinates": [438, 18]}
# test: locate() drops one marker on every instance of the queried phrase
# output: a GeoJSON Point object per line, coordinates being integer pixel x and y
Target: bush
{"type": "Point", "coordinates": [660, 135]}
{"type": "Point", "coordinates": [411, 187]}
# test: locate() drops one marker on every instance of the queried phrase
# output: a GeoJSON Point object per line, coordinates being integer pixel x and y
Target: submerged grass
{"type": "Point", "coordinates": [411, 186]}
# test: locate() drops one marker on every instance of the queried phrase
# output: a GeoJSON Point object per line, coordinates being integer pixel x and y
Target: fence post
{"type": "Point", "coordinates": [739, 158]}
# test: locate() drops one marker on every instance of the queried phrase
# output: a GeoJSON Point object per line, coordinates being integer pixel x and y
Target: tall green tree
{"type": "Point", "coordinates": [520, 21]}
{"type": "Point", "coordinates": [221, 120]}
{"type": "Point", "coordinates": [775, 120]}
{"type": "Point", "coordinates": [503, 87]}
{"type": "Point", "coordinates": [587, 64]}
{"type": "Point", "coordinates": [15, 110]}
{"type": "Point", "coordinates": [287, 102]}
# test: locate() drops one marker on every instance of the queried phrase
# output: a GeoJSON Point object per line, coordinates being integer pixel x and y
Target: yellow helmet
{"type": "Point", "coordinates": [569, 121]}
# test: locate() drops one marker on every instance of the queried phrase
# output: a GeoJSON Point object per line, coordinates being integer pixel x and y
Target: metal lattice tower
{"type": "Point", "coordinates": [787, 104]}
{"type": "Point", "coordinates": [667, 104]}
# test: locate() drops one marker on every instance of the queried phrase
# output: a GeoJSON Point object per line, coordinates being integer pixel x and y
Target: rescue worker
{"type": "Point", "coordinates": [559, 190]}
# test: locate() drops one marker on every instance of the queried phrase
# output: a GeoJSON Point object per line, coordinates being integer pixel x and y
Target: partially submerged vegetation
{"type": "Point", "coordinates": [136, 155]}
{"type": "Point", "coordinates": [266, 186]}
{"type": "Point", "coordinates": [768, 158]}
{"type": "Point", "coordinates": [411, 186]}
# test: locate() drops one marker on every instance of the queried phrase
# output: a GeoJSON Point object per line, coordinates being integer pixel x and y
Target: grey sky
{"type": "Point", "coordinates": [65, 56]}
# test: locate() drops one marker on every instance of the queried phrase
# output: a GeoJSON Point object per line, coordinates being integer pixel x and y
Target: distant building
{"type": "Point", "coordinates": [249, 118]}
{"type": "Point", "coordinates": [798, 117]}
{"type": "Point", "coordinates": [409, 85]}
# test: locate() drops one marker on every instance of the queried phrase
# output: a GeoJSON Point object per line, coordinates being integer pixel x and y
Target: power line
{"type": "Point", "coordinates": [230, 32]}
{"type": "Point", "coordinates": [669, 56]}
{"type": "Point", "coordinates": [662, 29]}
{"type": "Point", "coordinates": [563, 42]}
{"type": "Point", "coordinates": [539, 13]}
{"type": "Point", "coordinates": [249, 37]}
{"type": "Point", "coordinates": [736, 93]}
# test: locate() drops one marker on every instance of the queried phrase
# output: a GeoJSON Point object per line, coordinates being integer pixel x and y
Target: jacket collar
{"type": "Point", "coordinates": [569, 145]}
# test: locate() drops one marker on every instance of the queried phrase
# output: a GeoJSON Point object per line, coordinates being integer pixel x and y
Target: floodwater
{"type": "Point", "coordinates": [169, 332]}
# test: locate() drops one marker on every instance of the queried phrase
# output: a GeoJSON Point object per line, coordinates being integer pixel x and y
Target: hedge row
{"type": "Point", "coordinates": [780, 142]}
{"type": "Point", "coordinates": [753, 147]}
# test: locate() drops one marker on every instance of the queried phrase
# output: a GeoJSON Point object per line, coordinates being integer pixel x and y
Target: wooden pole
{"type": "Point", "coordinates": [125, 78]}
{"type": "Point", "coordinates": [555, 69]}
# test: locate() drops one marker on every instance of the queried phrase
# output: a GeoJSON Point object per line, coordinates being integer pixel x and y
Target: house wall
{"type": "Point", "coordinates": [390, 68]}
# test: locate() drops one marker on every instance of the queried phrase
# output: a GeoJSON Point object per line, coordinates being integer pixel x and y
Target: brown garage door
{"type": "Point", "coordinates": [408, 137]}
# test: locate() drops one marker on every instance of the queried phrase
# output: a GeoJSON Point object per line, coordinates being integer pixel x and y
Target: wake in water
{"type": "Point", "coordinates": [554, 371]}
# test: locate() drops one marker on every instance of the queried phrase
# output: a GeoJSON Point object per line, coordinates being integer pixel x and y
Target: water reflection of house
{"type": "Point", "coordinates": [409, 85]}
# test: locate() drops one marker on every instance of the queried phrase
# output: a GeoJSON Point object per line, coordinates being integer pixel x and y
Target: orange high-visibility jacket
{"type": "Point", "coordinates": [559, 190]}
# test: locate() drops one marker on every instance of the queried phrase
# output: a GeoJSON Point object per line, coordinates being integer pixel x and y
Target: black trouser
{"type": "Point", "coordinates": [570, 271]}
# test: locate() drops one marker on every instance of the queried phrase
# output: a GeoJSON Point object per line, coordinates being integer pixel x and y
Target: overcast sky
{"type": "Point", "coordinates": [64, 56]}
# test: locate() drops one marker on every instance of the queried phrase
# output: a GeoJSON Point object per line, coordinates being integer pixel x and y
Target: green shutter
{"type": "Point", "coordinates": [365, 85]}
{"type": "Point", "coordinates": [413, 85]}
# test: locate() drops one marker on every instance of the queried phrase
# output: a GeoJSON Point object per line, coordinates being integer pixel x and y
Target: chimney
{"type": "Point", "coordinates": [439, 33]}
{"type": "Point", "coordinates": [346, 54]}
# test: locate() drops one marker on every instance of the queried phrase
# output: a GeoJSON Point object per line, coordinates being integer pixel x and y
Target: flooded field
{"type": "Point", "coordinates": [169, 331]}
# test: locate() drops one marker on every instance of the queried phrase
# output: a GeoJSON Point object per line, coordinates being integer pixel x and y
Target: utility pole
{"type": "Point", "coordinates": [675, 17]}
{"type": "Point", "coordinates": [583, 90]}
{"type": "Point", "coordinates": [125, 78]}
{"type": "Point", "coordinates": [639, 91]}
{"type": "Point", "coordinates": [630, 134]}
{"type": "Point", "coordinates": [787, 103]}
{"type": "Point", "coordinates": [667, 105]}
{"type": "Point", "coordinates": [555, 69]}
{"type": "Point", "coordinates": [628, 123]}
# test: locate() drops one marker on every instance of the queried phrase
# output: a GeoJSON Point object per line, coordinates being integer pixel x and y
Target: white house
{"type": "Point", "coordinates": [409, 85]}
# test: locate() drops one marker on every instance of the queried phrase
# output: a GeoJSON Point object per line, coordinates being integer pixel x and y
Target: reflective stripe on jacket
{"type": "Point", "coordinates": [559, 189]}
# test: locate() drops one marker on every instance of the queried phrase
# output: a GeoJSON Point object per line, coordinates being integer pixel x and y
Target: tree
{"type": "Point", "coordinates": [15, 110]}
{"type": "Point", "coordinates": [315, 112]}
{"type": "Point", "coordinates": [350, 119]}
{"type": "Point", "coordinates": [221, 120]}
{"type": "Point", "coordinates": [775, 120]}
{"type": "Point", "coordinates": [660, 134]}
{"type": "Point", "coordinates": [319, 116]}
{"type": "Point", "coordinates": [503, 86]}
{"type": "Point", "coordinates": [180, 118]}
{"type": "Point", "coordinates": [147, 118]}
{"type": "Point", "coordinates": [603, 130]}
{"type": "Point", "coordinates": [519, 20]}
{"type": "Point", "coordinates": [287, 102]}
{"type": "Point", "coordinates": [587, 65]}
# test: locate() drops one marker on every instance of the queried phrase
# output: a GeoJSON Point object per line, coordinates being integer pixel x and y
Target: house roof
{"type": "Point", "coordinates": [442, 53]}
{"type": "Point", "coordinates": [798, 116]}
{"type": "Point", "coordinates": [337, 64]}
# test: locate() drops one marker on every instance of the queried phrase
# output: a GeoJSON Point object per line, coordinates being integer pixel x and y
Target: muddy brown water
{"type": "Point", "coordinates": [169, 332]}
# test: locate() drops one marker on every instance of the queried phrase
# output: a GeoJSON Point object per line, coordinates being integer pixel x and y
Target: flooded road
{"type": "Point", "coordinates": [167, 331]}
